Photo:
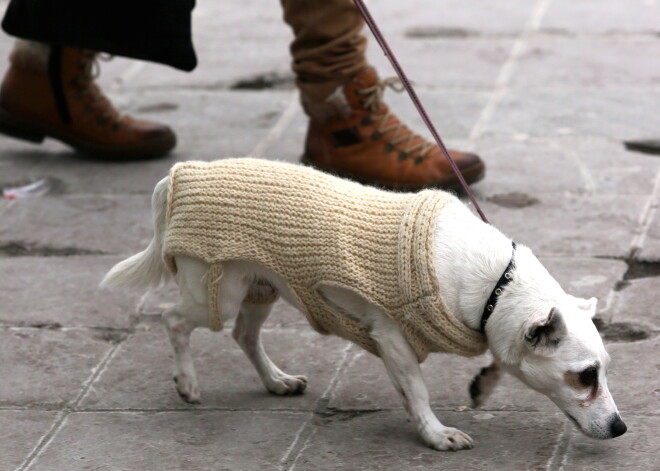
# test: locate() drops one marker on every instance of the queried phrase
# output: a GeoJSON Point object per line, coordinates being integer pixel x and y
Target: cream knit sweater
{"type": "Point", "coordinates": [314, 229]}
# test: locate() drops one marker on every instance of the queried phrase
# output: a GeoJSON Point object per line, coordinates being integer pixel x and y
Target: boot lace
{"type": "Point", "coordinates": [87, 89]}
{"type": "Point", "coordinates": [402, 135]}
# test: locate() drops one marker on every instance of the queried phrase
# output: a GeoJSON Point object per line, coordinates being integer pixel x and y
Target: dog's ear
{"type": "Point", "coordinates": [546, 333]}
{"type": "Point", "coordinates": [587, 305]}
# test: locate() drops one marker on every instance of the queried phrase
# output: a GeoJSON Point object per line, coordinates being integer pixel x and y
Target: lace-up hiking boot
{"type": "Point", "coordinates": [353, 134]}
{"type": "Point", "coordinates": [50, 92]}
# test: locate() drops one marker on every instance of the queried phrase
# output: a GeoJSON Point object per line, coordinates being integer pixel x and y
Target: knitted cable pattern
{"type": "Point", "coordinates": [314, 230]}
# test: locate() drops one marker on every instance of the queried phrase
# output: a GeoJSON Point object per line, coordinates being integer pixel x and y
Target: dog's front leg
{"type": "Point", "coordinates": [404, 371]}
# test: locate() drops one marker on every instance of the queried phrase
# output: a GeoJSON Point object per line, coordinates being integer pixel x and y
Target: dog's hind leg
{"type": "Point", "coordinates": [190, 312]}
{"type": "Point", "coordinates": [179, 323]}
{"type": "Point", "coordinates": [247, 332]}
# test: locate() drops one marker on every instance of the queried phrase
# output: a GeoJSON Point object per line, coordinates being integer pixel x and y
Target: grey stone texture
{"type": "Point", "coordinates": [64, 292]}
{"type": "Point", "coordinates": [20, 432]}
{"type": "Point", "coordinates": [165, 440]}
{"type": "Point", "coordinates": [375, 441]}
{"type": "Point", "coordinates": [545, 91]}
{"type": "Point", "coordinates": [46, 368]}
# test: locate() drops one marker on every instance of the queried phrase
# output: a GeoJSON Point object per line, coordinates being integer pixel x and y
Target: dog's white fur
{"type": "Point", "coordinates": [542, 346]}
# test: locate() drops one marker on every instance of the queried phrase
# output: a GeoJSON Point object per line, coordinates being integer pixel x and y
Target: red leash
{"type": "Point", "coordinates": [413, 96]}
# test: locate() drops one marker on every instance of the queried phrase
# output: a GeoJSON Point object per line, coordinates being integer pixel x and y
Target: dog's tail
{"type": "Point", "coordinates": [147, 268]}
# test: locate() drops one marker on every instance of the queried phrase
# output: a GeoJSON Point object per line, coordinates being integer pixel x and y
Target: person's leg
{"type": "Point", "coordinates": [328, 48]}
{"type": "Point", "coordinates": [50, 92]}
{"type": "Point", "coordinates": [352, 132]}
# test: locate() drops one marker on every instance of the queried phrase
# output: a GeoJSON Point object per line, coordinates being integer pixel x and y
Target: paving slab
{"type": "Point", "coordinates": [633, 376]}
{"type": "Point", "coordinates": [586, 277]}
{"type": "Point", "coordinates": [47, 368]}
{"type": "Point", "coordinates": [651, 247]}
{"type": "Point", "coordinates": [386, 441]}
{"type": "Point", "coordinates": [608, 113]}
{"type": "Point", "coordinates": [588, 62]}
{"type": "Point", "coordinates": [451, 19]}
{"type": "Point", "coordinates": [560, 224]}
{"type": "Point", "coordinates": [594, 16]}
{"type": "Point", "coordinates": [20, 432]}
{"type": "Point", "coordinates": [636, 450]}
{"type": "Point", "coordinates": [92, 224]}
{"type": "Point", "coordinates": [637, 303]}
{"type": "Point", "coordinates": [62, 291]}
{"type": "Point", "coordinates": [140, 374]}
{"type": "Point", "coordinates": [182, 441]}
{"type": "Point", "coordinates": [432, 61]}
{"type": "Point", "coordinates": [576, 165]}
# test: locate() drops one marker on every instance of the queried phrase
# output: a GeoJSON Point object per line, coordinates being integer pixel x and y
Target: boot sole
{"type": "Point", "coordinates": [471, 175]}
{"type": "Point", "coordinates": [26, 130]}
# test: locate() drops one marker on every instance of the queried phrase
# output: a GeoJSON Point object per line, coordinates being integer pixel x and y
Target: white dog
{"type": "Point", "coordinates": [535, 331]}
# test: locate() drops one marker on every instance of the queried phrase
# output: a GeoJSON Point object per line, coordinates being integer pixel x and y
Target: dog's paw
{"type": "Point", "coordinates": [187, 389]}
{"type": "Point", "coordinates": [448, 439]}
{"type": "Point", "coordinates": [287, 385]}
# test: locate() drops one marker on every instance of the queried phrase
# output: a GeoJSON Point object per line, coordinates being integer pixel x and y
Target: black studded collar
{"type": "Point", "coordinates": [504, 280]}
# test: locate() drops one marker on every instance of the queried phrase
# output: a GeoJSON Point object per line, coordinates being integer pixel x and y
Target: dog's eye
{"type": "Point", "coordinates": [589, 377]}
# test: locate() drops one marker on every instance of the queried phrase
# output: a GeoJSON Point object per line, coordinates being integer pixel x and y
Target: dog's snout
{"type": "Point", "coordinates": [617, 426]}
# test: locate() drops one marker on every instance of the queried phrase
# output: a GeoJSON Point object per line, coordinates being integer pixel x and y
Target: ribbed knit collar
{"type": "Point", "coordinates": [419, 283]}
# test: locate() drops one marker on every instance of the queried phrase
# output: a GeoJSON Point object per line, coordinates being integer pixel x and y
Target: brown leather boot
{"type": "Point", "coordinates": [353, 134]}
{"type": "Point", "coordinates": [50, 92]}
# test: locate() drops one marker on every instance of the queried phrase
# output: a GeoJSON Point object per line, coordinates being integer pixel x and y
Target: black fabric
{"type": "Point", "coordinates": [55, 74]}
{"type": "Point", "coordinates": [152, 30]}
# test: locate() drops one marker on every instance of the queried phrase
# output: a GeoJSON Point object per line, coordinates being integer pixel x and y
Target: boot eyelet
{"type": "Point", "coordinates": [366, 121]}
{"type": "Point", "coordinates": [402, 156]}
{"type": "Point", "coordinates": [419, 160]}
{"type": "Point", "coordinates": [375, 136]}
{"type": "Point", "coordinates": [388, 148]}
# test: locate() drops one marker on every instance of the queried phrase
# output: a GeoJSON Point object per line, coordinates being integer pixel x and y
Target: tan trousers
{"type": "Point", "coordinates": [328, 47]}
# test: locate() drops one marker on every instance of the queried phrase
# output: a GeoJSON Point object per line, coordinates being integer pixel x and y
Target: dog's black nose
{"type": "Point", "coordinates": [617, 427]}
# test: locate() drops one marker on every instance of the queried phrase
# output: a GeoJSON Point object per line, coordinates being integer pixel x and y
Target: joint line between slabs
{"type": "Point", "coordinates": [636, 245]}
{"type": "Point", "coordinates": [276, 131]}
{"type": "Point", "coordinates": [645, 219]}
{"type": "Point", "coordinates": [556, 461]}
{"type": "Point", "coordinates": [506, 72]}
{"type": "Point", "coordinates": [302, 449]}
{"type": "Point", "coordinates": [327, 394]}
{"type": "Point", "coordinates": [7, 207]}
{"type": "Point", "coordinates": [307, 430]}
{"type": "Point", "coordinates": [62, 416]}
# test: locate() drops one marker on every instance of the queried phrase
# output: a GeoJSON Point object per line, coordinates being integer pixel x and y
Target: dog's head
{"type": "Point", "coordinates": [555, 349]}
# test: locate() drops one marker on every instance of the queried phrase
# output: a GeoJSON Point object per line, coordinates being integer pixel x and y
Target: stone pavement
{"type": "Point", "coordinates": [545, 90]}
